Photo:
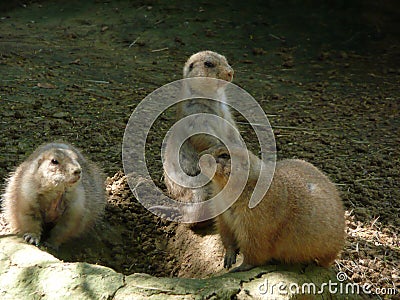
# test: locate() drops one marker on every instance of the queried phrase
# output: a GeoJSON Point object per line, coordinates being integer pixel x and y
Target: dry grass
{"type": "Point", "coordinates": [371, 256]}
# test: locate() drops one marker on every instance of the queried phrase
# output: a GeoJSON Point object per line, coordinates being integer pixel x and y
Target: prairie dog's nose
{"type": "Point", "coordinates": [229, 74]}
{"type": "Point", "coordinates": [77, 171]}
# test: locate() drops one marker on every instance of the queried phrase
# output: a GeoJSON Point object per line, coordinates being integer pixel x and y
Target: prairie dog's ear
{"type": "Point", "coordinates": [40, 160]}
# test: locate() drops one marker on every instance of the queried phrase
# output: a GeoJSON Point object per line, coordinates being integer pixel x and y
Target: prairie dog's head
{"type": "Point", "coordinates": [58, 169]}
{"type": "Point", "coordinates": [208, 64]}
{"type": "Point", "coordinates": [215, 163]}
{"type": "Point", "coordinates": [224, 168]}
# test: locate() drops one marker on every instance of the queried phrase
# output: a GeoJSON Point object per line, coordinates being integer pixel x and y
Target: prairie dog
{"type": "Point", "coordinates": [55, 187]}
{"type": "Point", "coordinates": [300, 219]}
{"type": "Point", "coordinates": [202, 64]}
{"type": "Point", "coordinates": [213, 65]}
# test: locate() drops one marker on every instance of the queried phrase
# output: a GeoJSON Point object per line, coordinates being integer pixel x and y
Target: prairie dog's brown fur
{"type": "Point", "coordinates": [56, 186]}
{"type": "Point", "coordinates": [202, 64]}
{"type": "Point", "coordinates": [300, 219]}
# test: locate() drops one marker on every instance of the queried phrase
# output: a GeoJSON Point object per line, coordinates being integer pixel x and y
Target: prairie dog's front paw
{"type": "Point", "coordinates": [51, 246]}
{"type": "Point", "coordinates": [32, 238]}
{"type": "Point", "coordinates": [230, 258]}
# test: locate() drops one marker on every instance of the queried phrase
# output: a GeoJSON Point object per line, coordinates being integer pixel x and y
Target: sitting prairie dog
{"type": "Point", "coordinates": [299, 220]}
{"type": "Point", "coordinates": [202, 64]}
{"type": "Point", "coordinates": [57, 188]}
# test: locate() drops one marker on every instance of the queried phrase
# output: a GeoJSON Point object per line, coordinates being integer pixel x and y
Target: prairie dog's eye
{"type": "Point", "coordinates": [191, 66]}
{"type": "Point", "coordinates": [209, 64]}
{"type": "Point", "coordinates": [224, 156]}
{"type": "Point", "coordinates": [54, 161]}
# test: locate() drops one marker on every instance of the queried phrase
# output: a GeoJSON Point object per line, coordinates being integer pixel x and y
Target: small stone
{"type": "Point", "coordinates": [46, 85]}
{"type": "Point", "coordinates": [61, 115]}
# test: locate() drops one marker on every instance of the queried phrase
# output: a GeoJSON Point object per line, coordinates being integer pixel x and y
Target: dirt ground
{"type": "Point", "coordinates": [326, 73]}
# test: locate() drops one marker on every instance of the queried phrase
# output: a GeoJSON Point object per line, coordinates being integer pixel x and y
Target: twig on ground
{"type": "Point", "coordinates": [276, 37]}
{"type": "Point", "coordinates": [161, 49]}
{"type": "Point", "coordinates": [374, 221]}
{"type": "Point", "coordinates": [96, 81]}
{"type": "Point", "coordinates": [134, 42]}
{"type": "Point", "coordinates": [9, 100]}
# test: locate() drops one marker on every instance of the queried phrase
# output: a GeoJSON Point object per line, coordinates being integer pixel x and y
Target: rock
{"type": "Point", "coordinates": [144, 286]}
{"type": "Point", "coordinates": [26, 272]}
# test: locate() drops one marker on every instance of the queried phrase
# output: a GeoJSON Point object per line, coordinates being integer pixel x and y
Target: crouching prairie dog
{"type": "Point", "coordinates": [56, 190]}
{"type": "Point", "coordinates": [206, 64]}
{"type": "Point", "coordinates": [299, 220]}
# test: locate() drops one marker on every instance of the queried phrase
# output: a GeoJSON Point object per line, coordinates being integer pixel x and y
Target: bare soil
{"type": "Point", "coordinates": [327, 75]}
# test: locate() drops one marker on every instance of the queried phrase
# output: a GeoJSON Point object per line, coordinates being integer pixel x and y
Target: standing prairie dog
{"type": "Point", "coordinates": [57, 188]}
{"type": "Point", "coordinates": [210, 65]}
{"type": "Point", "coordinates": [299, 220]}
